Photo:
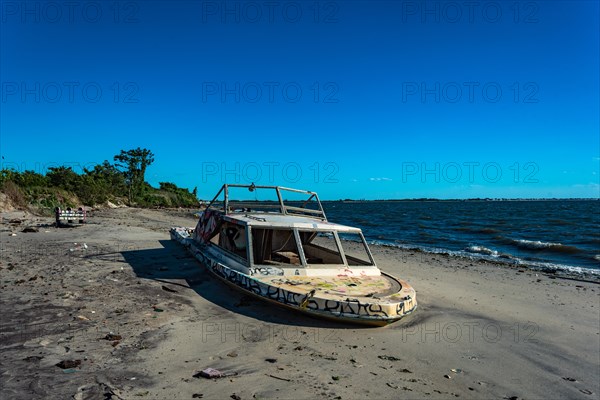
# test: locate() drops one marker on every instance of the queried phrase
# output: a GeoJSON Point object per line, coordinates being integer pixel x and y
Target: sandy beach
{"type": "Point", "coordinates": [132, 316]}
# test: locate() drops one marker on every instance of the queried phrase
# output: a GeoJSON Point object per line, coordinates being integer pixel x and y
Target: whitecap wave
{"type": "Point", "coordinates": [482, 250]}
{"type": "Point", "coordinates": [550, 246]}
{"type": "Point", "coordinates": [536, 244]}
{"type": "Point", "coordinates": [483, 253]}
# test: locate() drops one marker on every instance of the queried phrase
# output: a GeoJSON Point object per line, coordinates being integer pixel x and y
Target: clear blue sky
{"type": "Point", "coordinates": [391, 99]}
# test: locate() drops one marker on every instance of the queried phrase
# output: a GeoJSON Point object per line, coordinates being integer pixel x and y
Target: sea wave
{"type": "Point", "coordinates": [516, 229]}
{"type": "Point", "coordinates": [553, 267]}
{"type": "Point", "coordinates": [549, 246]}
{"type": "Point", "coordinates": [483, 253]}
{"type": "Point", "coordinates": [482, 250]}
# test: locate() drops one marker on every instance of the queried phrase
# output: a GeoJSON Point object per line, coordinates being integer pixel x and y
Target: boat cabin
{"type": "Point", "coordinates": [284, 234]}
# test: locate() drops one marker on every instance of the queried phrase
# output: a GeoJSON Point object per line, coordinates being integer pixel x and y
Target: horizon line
{"type": "Point", "coordinates": [470, 199]}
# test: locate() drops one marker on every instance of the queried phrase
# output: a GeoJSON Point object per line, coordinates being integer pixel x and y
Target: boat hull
{"type": "Point", "coordinates": [358, 310]}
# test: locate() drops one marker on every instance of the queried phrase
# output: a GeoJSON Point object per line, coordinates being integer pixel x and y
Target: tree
{"type": "Point", "coordinates": [103, 182]}
{"type": "Point", "coordinates": [64, 178]}
{"type": "Point", "coordinates": [108, 175]}
{"type": "Point", "coordinates": [23, 179]}
{"type": "Point", "coordinates": [133, 163]}
{"type": "Point", "coordinates": [168, 186]}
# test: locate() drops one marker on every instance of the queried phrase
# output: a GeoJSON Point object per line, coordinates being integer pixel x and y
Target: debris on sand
{"type": "Point", "coordinates": [30, 229]}
{"type": "Point", "coordinates": [209, 373]}
{"type": "Point", "coordinates": [389, 358]}
{"type": "Point", "coordinates": [68, 364]}
{"type": "Point", "coordinates": [79, 246]}
{"type": "Point", "coordinates": [33, 358]}
{"type": "Point", "coordinates": [277, 377]}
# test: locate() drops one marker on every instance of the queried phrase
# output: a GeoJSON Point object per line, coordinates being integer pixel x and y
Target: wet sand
{"type": "Point", "coordinates": [143, 318]}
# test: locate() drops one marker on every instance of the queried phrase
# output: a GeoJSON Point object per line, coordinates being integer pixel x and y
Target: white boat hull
{"type": "Point", "coordinates": [307, 296]}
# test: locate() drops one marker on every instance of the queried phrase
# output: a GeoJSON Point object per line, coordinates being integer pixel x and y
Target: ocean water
{"type": "Point", "coordinates": [547, 234]}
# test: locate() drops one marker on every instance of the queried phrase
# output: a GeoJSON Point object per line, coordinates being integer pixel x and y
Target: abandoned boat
{"type": "Point", "coordinates": [283, 249]}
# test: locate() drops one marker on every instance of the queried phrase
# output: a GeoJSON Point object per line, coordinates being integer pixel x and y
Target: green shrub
{"type": "Point", "coordinates": [63, 187]}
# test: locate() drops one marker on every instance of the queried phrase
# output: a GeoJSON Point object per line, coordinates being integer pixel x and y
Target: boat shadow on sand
{"type": "Point", "coordinates": [173, 262]}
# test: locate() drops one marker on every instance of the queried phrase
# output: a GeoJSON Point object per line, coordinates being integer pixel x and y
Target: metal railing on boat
{"type": "Point", "coordinates": [279, 204]}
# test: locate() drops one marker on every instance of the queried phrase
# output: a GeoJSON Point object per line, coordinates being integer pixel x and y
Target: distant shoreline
{"type": "Point", "coordinates": [463, 200]}
{"type": "Point", "coordinates": [423, 199]}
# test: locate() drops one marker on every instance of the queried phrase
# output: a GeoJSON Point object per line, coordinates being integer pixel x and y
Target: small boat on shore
{"type": "Point", "coordinates": [282, 248]}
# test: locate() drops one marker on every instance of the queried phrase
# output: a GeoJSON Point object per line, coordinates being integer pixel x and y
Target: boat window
{"type": "Point", "coordinates": [274, 247]}
{"type": "Point", "coordinates": [232, 237]}
{"type": "Point", "coordinates": [320, 248]}
{"type": "Point", "coordinates": [355, 249]}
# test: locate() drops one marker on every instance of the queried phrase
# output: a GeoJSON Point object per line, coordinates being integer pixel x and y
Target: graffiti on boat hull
{"type": "Point", "coordinates": [267, 271]}
{"type": "Point", "coordinates": [349, 308]}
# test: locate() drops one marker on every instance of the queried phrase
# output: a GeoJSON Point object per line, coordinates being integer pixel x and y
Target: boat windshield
{"type": "Point", "coordinates": [320, 248]}
{"type": "Point", "coordinates": [355, 249]}
{"type": "Point", "coordinates": [278, 246]}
